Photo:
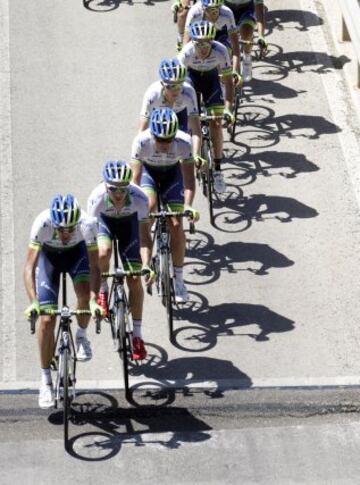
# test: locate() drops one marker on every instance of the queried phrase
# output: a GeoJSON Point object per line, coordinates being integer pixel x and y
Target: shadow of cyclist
{"type": "Point", "coordinates": [227, 320]}
{"type": "Point", "coordinates": [304, 61]}
{"type": "Point", "coordinates": [275, 19]}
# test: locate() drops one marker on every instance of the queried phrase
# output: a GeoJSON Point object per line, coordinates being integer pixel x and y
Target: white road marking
{"type": "Point", "coordinates": [224, 384]}
{"type": "Point", "coordinates": [7, 291]}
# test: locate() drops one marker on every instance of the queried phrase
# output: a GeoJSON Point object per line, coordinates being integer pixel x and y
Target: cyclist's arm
{"type": "Point", "coordinates": [94, 271]}
{"type": "Point", "coordinates": [229, 90]}
{"type": "Point", "coordinates": [29, 271]}
{"type": "Point", "coordinates": [144, 123]}
{"type": "Point", "coordinates": [187, 168]}
{"type": "Point", "coordinates": [195, 127]}
{"type": "Point", "coordinates": [136, 166]}
{"type": "Point", "coordinates": [260, 18]}
{"type": "Point", "coordinates": [145, 242]}
{"type": "Point", "coordinates": [234, 38]}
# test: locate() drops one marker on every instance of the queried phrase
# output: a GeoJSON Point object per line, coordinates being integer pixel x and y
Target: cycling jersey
{"type": "Point", "coordinates": [99, 203]}
{"type": "Point", "coordinates": [244, 11]}
{"type": "Point", "coordinates": [225, 20]}
{"type": "Point", "coordinates": [144, 151]}
{"type": "Point", "coordinates": [154, 98]}
{"type": "Point", "coordinates": [45, 233]}
{"type": "Point", "coordinates": [245, 3]}
{"type": "Point", "coordinates": [218, 58]}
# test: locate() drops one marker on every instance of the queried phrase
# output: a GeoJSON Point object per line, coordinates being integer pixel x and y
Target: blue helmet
{"type": "Point", "coordinates": [212, 3]}
{"type": "Point", "coordinates": [172, 71]}
{"type": "Point", "coordinates": [117, 172]}
{"type": "Point", "coordinates": [164, 123]}
{"type": "Point", "coordinates": [65, 211]}
{"type": "Point", "coordinates": [202, 30]}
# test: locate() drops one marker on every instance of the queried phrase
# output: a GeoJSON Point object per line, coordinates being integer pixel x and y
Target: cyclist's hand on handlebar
{"type": "Point", "coordinates": [238, 80]}
{"type": "Point", "coordinates": [96, 309]}
{"type": "Point", "coordinates": [229, 117]}
{"type": "Point", "coordinates": [199, 161]}
{"type": "Point", "coordinates": [176, 6]}
{"type": "Point", "coordinates": [150, 276]}
{"type": "Point", "coordinates": [262, 44]}
{"type": "Point", "coordinates": [33, 309]}
{"type": "Point", "coordinates": [194, 215]}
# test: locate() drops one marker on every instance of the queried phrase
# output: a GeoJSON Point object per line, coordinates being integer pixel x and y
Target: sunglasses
{"type": "Point", "coordinates": [66, 230]}
{"type": "Point", "coordinates": [202, 43]}
{"type": "Point", "coordinates": [212, 9]}
{"type": "Point", "coordinates": [163, 141]}
{"type": "Point", "coordinates": [173, 87]}
{"type": "Point", "coordinates": [114, 189]}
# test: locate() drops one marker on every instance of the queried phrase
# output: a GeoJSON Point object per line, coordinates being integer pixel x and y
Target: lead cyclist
{"type": "Point", "coordinates": [248, 14]}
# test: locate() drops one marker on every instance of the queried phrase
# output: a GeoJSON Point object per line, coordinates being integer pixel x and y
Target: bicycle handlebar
{"type": "Point", "coordinates": [119, 273]}
{"type": "Point", "coordinates": [65, 311]}
{"type": "Point", "coordinates": [165, 214]}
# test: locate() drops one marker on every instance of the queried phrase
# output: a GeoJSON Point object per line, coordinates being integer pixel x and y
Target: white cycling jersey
{"type": "Point", "coordinates": [99, 203]}
{"type": "Point", "coordinates": [225, 18]}
{"type": "Point", "coordinates": [217, 59]}
{"type": "Point", "coordinates": [144, 150]}
{"type": "Point", "coordinates": [44, 232]}
{"type": "Point", "coordinates": [154, 98]}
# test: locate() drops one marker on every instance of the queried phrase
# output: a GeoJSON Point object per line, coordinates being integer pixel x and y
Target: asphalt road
{"type": "Point", "coordinates": [275, 300]}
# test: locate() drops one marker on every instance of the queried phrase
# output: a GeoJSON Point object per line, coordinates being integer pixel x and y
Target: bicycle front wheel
{"type": "Point", "coordinates": [209, 180]}
{"type": "Point", "coordinates": [167, 292]}
{"type": "Point", "coordinates": [66, 396]}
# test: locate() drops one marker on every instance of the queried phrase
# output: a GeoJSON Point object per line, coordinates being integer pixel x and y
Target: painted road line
{"type": "Point", "coordinates": [7, 290]}
{"type": "Point", "coordinates": [225, 384]}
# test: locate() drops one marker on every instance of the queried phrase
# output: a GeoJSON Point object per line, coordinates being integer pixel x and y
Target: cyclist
{"type": "Point", "coordinates": [162, 162]}
{"type": "Point", "coordinates": [122, 211]}
{"type": "Point", "coordinates": [173, 92]}
{"type": "Point", "coordinates": [205, 59]}
{"type": "Point", "coordinates": [247, 14]}
{"type": "Point", "coordinates": [222, 17]}
{"type": "Point", "coordinates": [63, 239]}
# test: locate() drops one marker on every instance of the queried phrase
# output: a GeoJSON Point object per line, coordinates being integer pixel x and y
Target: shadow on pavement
{"type": "Point", "coordinates": [278, 19]}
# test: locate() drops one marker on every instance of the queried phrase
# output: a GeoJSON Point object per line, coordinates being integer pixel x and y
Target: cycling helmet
{"type": "Point", "coordinates": [163, 123]}
{"type": "Point", "coordinates": [212, 3]}
{"type": "Point", "coordinates": [172, 71]}
{"type": "Point", "coordinates": [117, 172]}
{"type": "Point", "coordinates": [202, 30]}
{"type": "Point", "coordinates": [65, 211]}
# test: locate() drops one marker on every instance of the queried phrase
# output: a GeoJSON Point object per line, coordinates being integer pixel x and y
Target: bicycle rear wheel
{"type": "Point", "coordinates": [232, 128]}
{"type": "Point", "coordinates": [208, 179]}
{"type": "Point", "coordinates": [123, 338]}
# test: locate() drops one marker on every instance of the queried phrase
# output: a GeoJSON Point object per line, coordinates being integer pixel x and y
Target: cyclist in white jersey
{"type": "Point", "coordinates": [205, 59]}
{"type": "Point", "coordinates": [63, 239]}
{"type": "Point", "coordinates": [163, 164]}
{"type": "Point", "coordinates": [171, 91]}
{"type": "Point", "coordinates": [122, 211]}
{"type": "Point", "coordinates": [247, 14]}
{"type": "Point", "coordinates": [222, 17]}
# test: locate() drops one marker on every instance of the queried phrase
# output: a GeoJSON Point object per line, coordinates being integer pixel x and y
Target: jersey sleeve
{"type": "Point", "coordinates": [89, 232]}
{"type": "Point", "coordinates": [38, 233]}
{"type": "Point", "coordinates": [137, 154]}
{"type": "Point", "coordinates": [186, 151]}
{"type": "Point", "coordinates": [230, 21]}
{"type": "Point", "coordinates": [224, 62]}
{"type": "Point", "coordinates": [191, 17]}
{"type": "Point", "coordinates": [191, 101]}
{"type": "Point", "coordinates": [146, 104]}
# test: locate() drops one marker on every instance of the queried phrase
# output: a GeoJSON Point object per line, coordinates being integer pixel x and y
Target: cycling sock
{"type": "Point", "coordinates": [46, 377]}
{"type": "Point", "coordinates": [217, 164]}
{"type": "Point", "coordinates": [104, 287]}
{"type": "Point", "coordinates": [137, 328]}
{"type": "Point", "coordinates": [180, 37]}
{"type": "Point", "coordinates": [81, 332]}
{"type": "Point", "coordinates": [178, 270]}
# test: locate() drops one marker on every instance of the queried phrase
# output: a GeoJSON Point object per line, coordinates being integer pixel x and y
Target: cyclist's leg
{"type": "Point", "coordinates": [181, 21]}
{"type": "Point", "coordinates": [105, 250]}
{"type": "Point", "coordinates": [79, 270]}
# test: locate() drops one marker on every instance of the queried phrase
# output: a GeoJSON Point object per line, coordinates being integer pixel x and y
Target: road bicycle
{"type": "Point", "coordinates": [64, 358]}
{"type": "Point", "coordinates": [162, 261]}
{"type": "Point", "coordinates": [119, 314]}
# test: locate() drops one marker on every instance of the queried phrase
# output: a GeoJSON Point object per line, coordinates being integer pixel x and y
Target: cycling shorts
{"type": "Point", "coordinates": [126, 230]}
{"type": "Point", "coordinates": [207, 85]}
{"type": "Point", "coordinates": [52, 262]}
{"type": "Point", "coordinates": [243, 14]}
{"type": "Point", "coordinates": [168, 183]}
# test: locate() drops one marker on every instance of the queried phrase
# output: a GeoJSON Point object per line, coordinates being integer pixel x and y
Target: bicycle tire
{"type": "Point", "coordinates": [232, 127]}
{"type": "Point", "coordinates": [66, 398]}
{"type": "Point", "coordinates": [126, 345]}
{"type": "Point", "coordinates": [209, 183]}
{"type": "Point", "coordinates": [166, 292]}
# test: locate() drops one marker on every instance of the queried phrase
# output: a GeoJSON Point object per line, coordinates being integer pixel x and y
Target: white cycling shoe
{"type": "Point", "coordinates": [246, 68]}
{"type": "Point", "coordinates": [83, 349]}
{"type": "Point", "coordinates": [219, 182]}
{"type": "Point", "coordinates": [181, 294]}
{"type": "Point", "coordinates": [46, 396]}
